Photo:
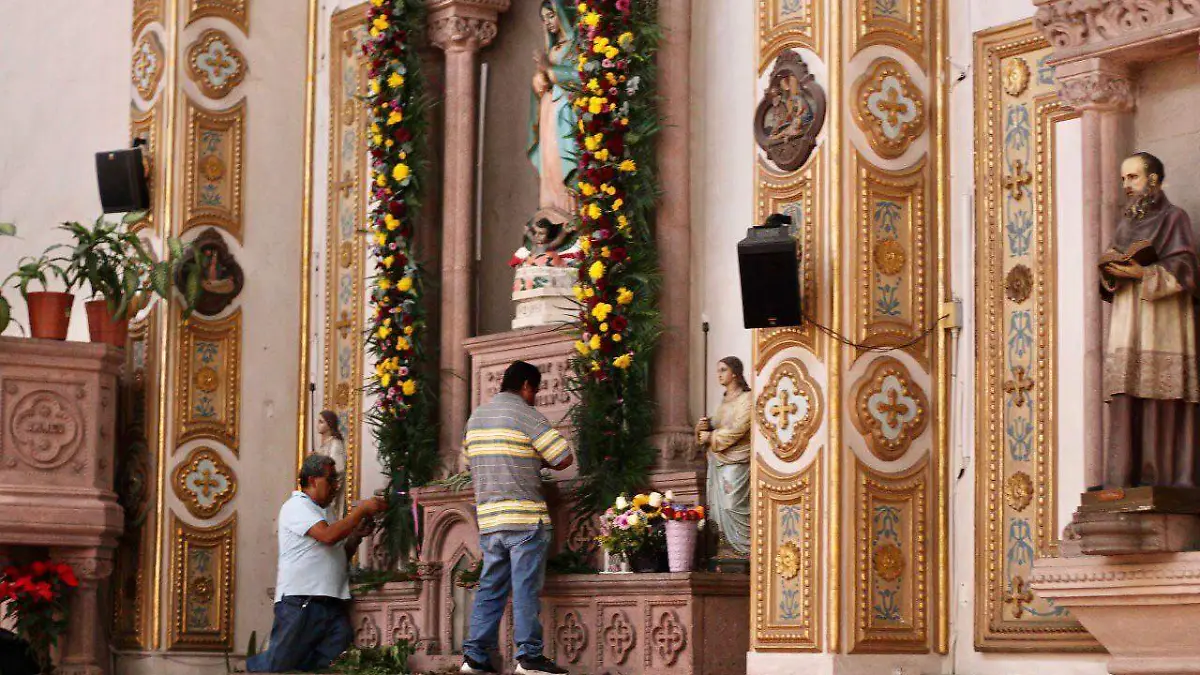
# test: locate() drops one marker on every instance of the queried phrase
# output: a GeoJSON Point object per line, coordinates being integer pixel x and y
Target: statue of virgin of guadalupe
{"type": "Point", "coordinates": [552, 125]}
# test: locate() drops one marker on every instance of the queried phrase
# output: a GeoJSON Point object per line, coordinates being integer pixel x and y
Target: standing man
{"type": "Point", "coordinates": [312, 627]}
{"type": "Point", "coordinates": [508, 442]}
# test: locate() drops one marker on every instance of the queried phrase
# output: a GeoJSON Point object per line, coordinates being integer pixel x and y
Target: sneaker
{"type": "Point", "coordinates": [539, 665]}
{"type": "Point", "coordinates": [472, 667]}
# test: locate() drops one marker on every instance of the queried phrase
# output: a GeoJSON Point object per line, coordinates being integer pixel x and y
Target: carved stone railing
{"type": "Point", "coordinates": [58, 403]}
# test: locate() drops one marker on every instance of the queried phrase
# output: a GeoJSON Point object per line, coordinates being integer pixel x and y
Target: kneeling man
{"type": "Point", "coordinates": [312, 626]}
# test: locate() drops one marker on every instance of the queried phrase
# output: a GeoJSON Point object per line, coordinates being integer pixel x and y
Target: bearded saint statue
{"type": "Point", "coordinates": [1151, 381]}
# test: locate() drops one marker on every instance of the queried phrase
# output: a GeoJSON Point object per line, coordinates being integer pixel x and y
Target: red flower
{"type": "Point", "coordinates": [618, 254]}
{"type": "Point", "coordinates": [38, 568]}
{"type": "Point", "coordinates": [402, 135]}
{"type": "Point", "coordinates": [668, 513]}
{"type": "Point", "coordinates": [68, 576]}
{"type": "Point", "coordinates": [619, 323]}
{"type": "Point", "coordinates": [6, 591]}
{"type": "Point", "coordinates": [43, 591]}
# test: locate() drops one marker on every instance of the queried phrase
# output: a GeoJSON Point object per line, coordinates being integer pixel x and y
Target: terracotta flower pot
{"type": "Point", "coordinates": [49, 314]}
{"type": "Point", "coordinates": [103, 327]}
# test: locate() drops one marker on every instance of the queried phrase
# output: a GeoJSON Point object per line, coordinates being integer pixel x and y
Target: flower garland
{"type": "Point", "coordinates": [33, 598]}
{"type": "Point", "coordinates": [403, 417]}
{"type": "Point", "coordinates": [619, 323]}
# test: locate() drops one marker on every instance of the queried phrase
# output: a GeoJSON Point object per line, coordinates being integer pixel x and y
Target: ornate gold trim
{"type": "Point", "coordinates": [1015, 438]}
{"type": "Point", "coordinates": [236, 12]}
{"type": "Point", "coordinates": [892, 554]}
{"type": "Point", "coordinates": [346, 250]}
{"type": "Point", "coordinates": [145, 12]}
{"type": "Point", "coordinates": [213, 470]}
{"type": "Point", "coordinates": [904, 32]}
{"type": "Point", "coordinates": [201, 411]}
{"type": "Point", "coordinates": [804, 28]}
{"type": "Point", "coordinates": [198, 48]}
{"type": "Point", "coordinates": [906, 190]}
{"type": "Point", "coordinates": [886, 98]}
{"type": "Point", "coordinates": [223, 169]}
{"type": "Point", "coordinates": [146, 125]}
{"type": "Point", "coordinates": [788, 613]}
{"type": "Point", "coordinates": [149, 61]}
{"type": "Point", "coordinates": [304, 377]}
{"type": "Point", "coordinates": [209, 584]}
{"type": "Point", "coordinates": [889, 439]}
{"type": "Point", "coordinates": [789, 440]}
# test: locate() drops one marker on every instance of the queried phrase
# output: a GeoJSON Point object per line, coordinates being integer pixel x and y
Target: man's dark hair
{"type": "Point", "coordinates": [315, 466]}
{"type": "Point", "coordinates": [551, 227]}
{"type": "Point", "coordinates": [517, 374]}
{"type": "Point", "coordinates": [1154, 166]}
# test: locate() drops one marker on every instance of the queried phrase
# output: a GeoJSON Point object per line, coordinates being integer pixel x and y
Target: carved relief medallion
{"type": "Point", "coordinates": [46, 429]}
{"type": "Point", "coordinates": [147, 65]}
{"type": "Point", "coordinates": [889, 108]}
{"type": "Point", "coordinates": [1018, 491]}
{"type": "Point", "coordinates": [789, 409]}
{"type": "Point", "coordinates": [787, 560]}
{"type": "Point", "coordinates": [791, 113]}
{"type": "Point", "coordinates": [1018, 284]}
{"type": "Point", "coordinates": [619, 637]}
{"type": "Point", "coordinates": [668, 637]}
{"type": "Point", "coordinates": [404, 629]}
{"type": "Point", "coordinates": [1016, 76]}
{"type": "Point", "coordinates": [571, 636]}
{"type": "Point", "coordinates": [367, 634]}
{"type": "Point", "coordinates": [891, 411]}
{"type": "Point", "coordinates": [204, 483]}
{"type": "Point", "coordinates": [221, 276]}
{"type": "Point", "coordinates": [215, 64]}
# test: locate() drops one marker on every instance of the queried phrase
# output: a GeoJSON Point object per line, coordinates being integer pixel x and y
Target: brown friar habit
{"type": "Point", "coordinates": [1150, 361]}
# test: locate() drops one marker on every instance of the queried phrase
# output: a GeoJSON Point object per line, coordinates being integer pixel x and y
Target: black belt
{"type": "Point", "coordinates": [305, 600]}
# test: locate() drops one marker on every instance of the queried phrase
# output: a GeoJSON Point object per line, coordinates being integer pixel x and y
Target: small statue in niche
{"type": "Point", "coordinates": [547, 244]}
{"type": "Point", "coordinates": [791, 114]}
{"type": "Point", "coordinates": [1151, 275]}
{"type": "Point", "coordinates": [726, 437]}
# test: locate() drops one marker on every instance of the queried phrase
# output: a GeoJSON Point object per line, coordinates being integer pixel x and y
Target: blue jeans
{"type": "Point", "coordinates": [305, 637]}
{"type": "Point", "coordinates": [513, 561]}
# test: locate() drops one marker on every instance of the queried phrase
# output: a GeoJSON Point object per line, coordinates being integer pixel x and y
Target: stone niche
{"type": "Point", "coordinates": [58, 404]}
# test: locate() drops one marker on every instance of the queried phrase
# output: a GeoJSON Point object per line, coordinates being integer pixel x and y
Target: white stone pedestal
{"type": "Point", "coordinates": [1143, 608]}
{"type": "Point", "coordinates": [548, 300]}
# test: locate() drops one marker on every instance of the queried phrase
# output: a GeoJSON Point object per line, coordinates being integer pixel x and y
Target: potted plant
{"type": "Point", "coordinates": [121, 271]}
{"type": "Point", "coordinates": [34, 599]}
{"type": "Point", "coordinates": [6, 230]}
{"type": "Point", "coordinates": [633, 530]}
{"type": "Point", "coordinates": [49, 311]}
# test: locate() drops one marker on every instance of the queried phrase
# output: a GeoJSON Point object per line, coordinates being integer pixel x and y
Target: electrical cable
{"type": "Point", "coordinates": [873, 348]}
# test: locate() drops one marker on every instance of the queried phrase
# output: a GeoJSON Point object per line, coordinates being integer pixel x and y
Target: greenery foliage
{"type": "Point", "coordinates": [619, 323]}
{"type": "Point", "coordinates": [387, 660]}
{"type": "Point", "coordinates": [404, 418]}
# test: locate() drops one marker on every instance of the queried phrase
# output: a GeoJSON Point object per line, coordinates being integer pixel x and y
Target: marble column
{"type": "Point", "coordinates": [84, 649]}
{"type": "Point", "coordinates": [460, 28]}
{"type": "Point", "coordinates": [1102, 91]}
{"type": "Point", "coordinates": [673, 431]}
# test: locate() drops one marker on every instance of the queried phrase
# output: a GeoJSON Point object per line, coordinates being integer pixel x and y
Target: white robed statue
{"type": "Point", "coordinates": [726, 437]}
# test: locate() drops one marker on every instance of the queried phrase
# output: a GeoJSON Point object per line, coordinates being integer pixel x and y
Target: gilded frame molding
{"type": "Point", "coordinates": [187, 496]}
{"type": "Point", "coordinates": [803, 429]}
{"type": "Point", "coordinates": [1005, 618]}
{"type": "Point", "coordinates": [215, 585]}
{"type": "Point", "coordinates": [198, 213]}
{"type": "Point", "coordinates": [145, 124]}
{"type": "Point", "coordinates": [236, 12]}
{"type": "Point", "coordinates": [872, 489]}
{"type": "Point", "coordinates": [145, 12]}
{"type": "Point", "coordinates": [197, 76]}
{"type": "Point", "coordinates": [223, 427]}
{"type": "Point", "coordinates": [801, 28]}
{"type": "Point", "coordinates": [803, 494]}
{"type": "Point", "coordinates": [345, 252]}
{"type": "Point", "coordinates": [907, 34]}
{"type": "Point", "coordinates": [872, 382]}
{"type": "Point", "coordinates": [874, 81]}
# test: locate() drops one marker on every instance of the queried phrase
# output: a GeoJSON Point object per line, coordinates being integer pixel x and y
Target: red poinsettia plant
{"type": "Point", "coordinates": [33, 597]}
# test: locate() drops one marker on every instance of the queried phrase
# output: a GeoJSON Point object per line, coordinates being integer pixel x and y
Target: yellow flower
{"type": "Point", "coordinates": [375, 127]}
{"type": "Point", "coordinates": [402, 344]}
{"type": "Point", "coordinates": [377, 139]}
{"type": "Point", "coordinates": [388, 143]}
{"type": "Point", "coordinates": [595, 366]}
{"type": "Point", "coordinates": [377, 3]}
{"type": "Point", "coordinates": [395, 80]}
{"type": "Point", "coordinates": [595, 343]}
{"type": "Point", "coordinates": [600, 44]}
{"type": "Point", "coordinates": [605, 252]}
{"type": "Point", "coordinates": [612, 79]}
{"type": "Point", "coordinates": [623, 361]}
{"type": "Point", "coordinates": [587, 189]}
{"type": "Point", "coordinates": [380, 238]}
{"type": "Point", "coordinates": [592, 19]}
{"type": "Point", "coordinates": [408, 330]}
{"type": "Point", "coordinates": [624, 121]}
{"type": "Point", "coordinates": [385, 380]}
{"type": "Point", "coordinates": [578, 291]}
{"type": "Point", "coordinates": [585, 244]}
{"type": "Point", "coordinates": [596, 104]}
{"type": "Point", "coordinates": [582, 348]}
{"type": "Point", "coordinates": [404, 285]}
{"type": "Point", "coordinates": [383, 332]}
{"type": "Point", "coordinates": [625, 39]}
{"type": "Point", "coordinates": [375, 85]}
{"type": "Point", "coordinates": [628, 165]}
{"type": "Point", "coordinates": [593, 84]}
{"type": "Point", "coordinates": [384, 284]}
{"type": "Point", "coordinates": [390, 222]}
{"type": "Point", "coordinates": [596, 271]}
{"type": "Point", "coordinates": [601, 311]}
{"type": "Point", "coordinates": [593, 142]}
{"type": "Point", "coordinates": [381, 22]}
{"type": "Point", "coordinates": [374, 32]}
{"type": "Point", "coordinates": [616, 204]}
{"type": "Point", "coordinates": [400, 172]}
{"type": "Point", "coordinates": [604, 328]}
{"type": "Point", "coordinates": [624, 296]}
{"type": "Point", "coordinates": [396, 117]}
{"type": "Point", "coordinates": [622, 222]}
{"type": "Point", "coordinates": [387, 262]}
{"type": "Point", "coordinates": [409, 387]}
{"type": "Point", "coordinates": [602, 154]}
{"type": "Point", "coordinates": [593, 211]}
{"type": "Point", "coordinates": [616, 337]}
{"type": "Point", "coordinates": [589, 292]}
{"type": "Point", "coordinates": [381, 180]}
{"type": "Point", "coordinates": [612, 52]}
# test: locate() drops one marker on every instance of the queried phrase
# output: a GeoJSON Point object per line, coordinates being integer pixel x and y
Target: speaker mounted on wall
{"type": "Point", "coordinates": [769, 263]}
{"type": "Point", "coordinates": [121, 175]}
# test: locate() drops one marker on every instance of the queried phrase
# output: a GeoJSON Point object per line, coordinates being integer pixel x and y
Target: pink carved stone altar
{"type": "Point", "coordinates": [681, 623]}
{"type": "Point", "coordinates": [58, 403]}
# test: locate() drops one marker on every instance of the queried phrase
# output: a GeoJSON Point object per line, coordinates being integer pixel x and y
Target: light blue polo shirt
{"type": "Point", "coordinates": [306, 566]}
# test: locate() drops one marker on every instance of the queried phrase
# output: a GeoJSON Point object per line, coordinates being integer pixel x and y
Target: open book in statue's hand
{"type": "Point", "coordinates": [1140, 252]}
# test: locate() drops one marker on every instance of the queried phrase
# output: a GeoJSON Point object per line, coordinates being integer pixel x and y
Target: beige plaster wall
{"type": "Point", "coordinates": [1166, 124]}
{"type": "Point", "coordinates": [510, 183]}
{"type": "Point", "coordinates": [64, 65]}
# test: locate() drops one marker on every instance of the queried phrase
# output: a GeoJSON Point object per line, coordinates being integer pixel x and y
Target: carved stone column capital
{"type": "Point", "coordinates": [464, 25]}
{"type": "Point", "coordinates": [1083, 24]}
{"type": "Point", "coordinates": [1096, 85]}
{"type": "Point", "coordinates": [89, 564]}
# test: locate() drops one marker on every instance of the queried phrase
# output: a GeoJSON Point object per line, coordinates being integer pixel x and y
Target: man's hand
{"type": "Point", "coordinates": [705, 437]}
{"type": "Point", "coordinates": [372, 506]}
{"type": "Point", "coordinates": [344, 528]}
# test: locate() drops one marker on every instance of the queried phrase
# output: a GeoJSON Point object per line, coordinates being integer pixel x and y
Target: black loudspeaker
{"type": "Point", "coordinates": [769, 262]}
{"type": "Point", "coordinates": [122, 178]}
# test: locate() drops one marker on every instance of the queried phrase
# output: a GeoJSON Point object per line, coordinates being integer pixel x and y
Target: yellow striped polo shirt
{"type": "Point", "coordinates": [506, 444]}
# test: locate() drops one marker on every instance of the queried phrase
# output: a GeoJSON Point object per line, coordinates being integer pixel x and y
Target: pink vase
{"type": "Point", "coordinates": [681, 544]}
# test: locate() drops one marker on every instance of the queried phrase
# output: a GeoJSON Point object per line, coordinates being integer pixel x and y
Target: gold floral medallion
{"type": "Point", "coordinates": [202, 589]}
{"type": "Point", "coordinates": [888, 561]}
{"type": "Point", "coordinates": [787, 561]}
{"type": "Point", "coordinates": [1016, 76]}
{"type": "Point", "coordinates": [1018, 284]}
{"type": "Point", "coordinates": [206, 379]}
{"type": "Point", "coordinates": [1018, 491]}
{"type": "Point", "coordinates": [213, 168]}
{"type": "Point", "coordinates": [889, 257]}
